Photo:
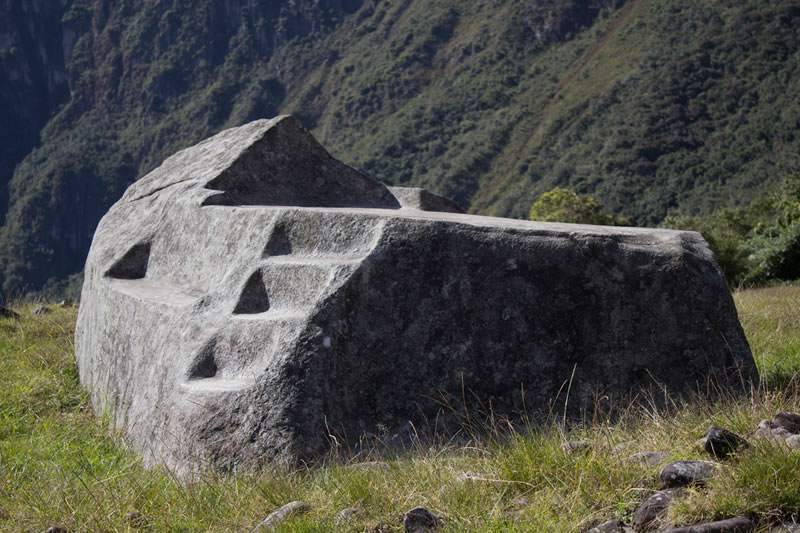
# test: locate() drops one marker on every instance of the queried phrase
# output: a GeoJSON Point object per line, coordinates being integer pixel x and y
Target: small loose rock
{"type": "Point", "coordinates": [767, 430]}
{"type": "Point", "coordinates": [420, 520]}
{"type": "Point", "coordinates": [788, 421]}
{"type": "Point", "coordinates": [793, 442]}
{"type": "Point", "coordinates": [574, 447]}
{"type": "Point", "coordinates": [686, 472]}
{"type": "Point", "coordinates": [721, 443]}
{"type": "Point", "coordinates": [42, 310]}
{"type": "Point", "coordinates": [55, 529]}
{"type": "Point", "coordinates": [346, 515]}
{"type": "Point", "coordinates": [282, 514]}
{"type": "Point", "coordinates": [740, 524]}
{"type": "Point", "coordinates": [652, 510]}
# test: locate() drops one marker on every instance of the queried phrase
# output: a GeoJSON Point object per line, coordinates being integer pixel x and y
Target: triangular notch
{"type": "Point", "coordinates": [132, 265]}
{"type": "Point", "coordinates": [254, 297]}
{"type": "Point", "coordinates": [205, 364]}
{"type": "Point", "coordinates": [279, 243]}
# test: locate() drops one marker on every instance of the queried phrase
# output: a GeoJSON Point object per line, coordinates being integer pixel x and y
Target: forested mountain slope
{"type": "Point", "coordinates": [655, 107]}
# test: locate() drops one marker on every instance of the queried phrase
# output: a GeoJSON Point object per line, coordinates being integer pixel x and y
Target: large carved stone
{"type": "Point", "coordinates": [252, 297]}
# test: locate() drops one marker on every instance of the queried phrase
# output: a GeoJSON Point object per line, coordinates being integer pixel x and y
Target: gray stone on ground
{"type": "Point", "coordinates": [347, 515]}
{"type": "Point", "coordinates": [768, 431]}
{"type": "Point", "coordinates": [793, 442]}
{"type": "Point", "coordinates": [653, 510]}
{"type": "Point", "coordinates": [282, 514]}
{"type": "Point", "coordinates": [252, 299]}
{"type": "Point", "coordinates": [650, 458]}
{"type": "Point", "coordinates": [721, 443]}
{"type": "Point", "coordinates": [612, 526]}
{"type": "Point", "coordinates": [739, 524]}
{"type": "Point", "coordinates": [577, 447]}
{"type": "Point", "coordinates": [420, 520]}
{"type": "Point", "coordinates": [686, 472]}
{"type": "Point", "coordinates": [788, 421]}
{"type": "Point", "coordinates": [42, 310]}
{"type": "Point", "coordinates": [5, 312]}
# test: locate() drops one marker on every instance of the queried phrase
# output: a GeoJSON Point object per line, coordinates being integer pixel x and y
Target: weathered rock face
{"type": "Point", "coordinates": [253, 296]}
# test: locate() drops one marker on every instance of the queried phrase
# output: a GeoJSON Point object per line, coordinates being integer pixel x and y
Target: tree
{"type": "Point", "coordinates": [562, 205]}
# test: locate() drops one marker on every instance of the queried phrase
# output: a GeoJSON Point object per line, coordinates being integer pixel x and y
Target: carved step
{"type": "Point", "coordinates": [286, 286]}
{"type": "Point", "coordinates": [322, 234]}
{"type": "Point", "coordinates": [153, 291]}
{"type": "Point", "coordinates": [232, 358]}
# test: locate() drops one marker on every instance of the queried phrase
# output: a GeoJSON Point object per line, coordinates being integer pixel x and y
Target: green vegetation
{"type": "Point", "coordinates": [755, 245]}
{"type": "Point", "coordinates": [653, 107]}
{"type": "Point", "coordinates": [561, 205]}
{"type": "Point", "coordinates": [60, 466]}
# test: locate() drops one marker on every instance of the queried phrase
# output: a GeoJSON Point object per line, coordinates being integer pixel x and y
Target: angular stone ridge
{"type": "Point", "coordinates": [286, 166]}
{"type": "Point", "coordinates": [132, 265]}
{"type": "Point", "coordinates": [305, 301]}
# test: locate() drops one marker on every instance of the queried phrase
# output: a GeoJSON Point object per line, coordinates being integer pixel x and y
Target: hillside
{"type": "Point", "coordinates": [655, 107]}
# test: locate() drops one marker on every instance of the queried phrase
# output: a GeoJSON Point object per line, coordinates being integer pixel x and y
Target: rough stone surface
{"type": "Point", "coordinates": [652, 510]}
{"type": "Point", "coordinates": [612, 526]}
{"type": "Point", "coordinates": [416, 198]}
{"type": "Point", "coordinates": [283, 513]}
{"type": "Point", "coordinates": [42, 310]}
{"type": "Point", "coordinates": [793, 442]}
{"type": "Point", "coordinates": [347, 515]}
{"type": "Point", "coordinates": [768, 431]}
{"type": "Point", "coordinates": [577, 447]}
{"type": "Point", "coordinates": [740, 524]}
{"type": "Point", "coordinates": [686, 472]}
{"type": "Point", "coordinates": [420, 520]}
{"type": "Point", "coordinates": [721, 443]}
{"type": "Point", "coordinates": [788, 421]}
{"type": "Point", "coordinates": [253, 298]}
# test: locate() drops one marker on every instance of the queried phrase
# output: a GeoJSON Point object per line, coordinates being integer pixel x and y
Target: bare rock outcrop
{"type": "Point", "coordinates": [253, 299]}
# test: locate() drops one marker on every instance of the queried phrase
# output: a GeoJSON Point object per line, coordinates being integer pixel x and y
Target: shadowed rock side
{"type": "Point", "coordinates": [232, 335]}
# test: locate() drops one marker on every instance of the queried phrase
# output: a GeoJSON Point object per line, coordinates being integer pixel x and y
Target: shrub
{"type": "Point", "coordinates": [562, 205]}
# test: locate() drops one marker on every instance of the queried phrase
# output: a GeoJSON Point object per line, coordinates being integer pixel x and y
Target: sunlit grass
{"type": "Point", "coordinates": [771, 320]}
{"type": "Point", "coordinates": [60, 466]}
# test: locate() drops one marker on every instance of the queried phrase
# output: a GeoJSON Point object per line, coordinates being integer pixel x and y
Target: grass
{"type": "Point", "coordinates": [60, 465]}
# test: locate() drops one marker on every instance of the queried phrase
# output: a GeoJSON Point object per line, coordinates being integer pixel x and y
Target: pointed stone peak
{"type": "Point", "coordinates": [286, 166]}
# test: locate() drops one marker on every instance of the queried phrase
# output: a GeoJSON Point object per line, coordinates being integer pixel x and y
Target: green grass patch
{"type": "Point", "coordinates": [60, 465]}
